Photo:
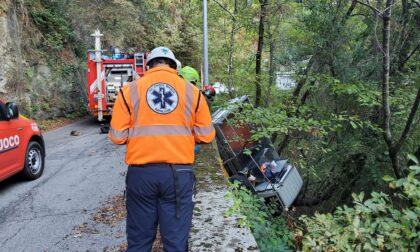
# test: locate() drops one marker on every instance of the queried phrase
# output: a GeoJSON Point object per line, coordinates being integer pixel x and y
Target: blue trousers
{"type": "Point", "coordinates": [159, 193]}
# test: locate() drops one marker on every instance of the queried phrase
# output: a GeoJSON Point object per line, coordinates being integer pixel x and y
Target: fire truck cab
{"type": "Point", "coordinates": [22, 146]}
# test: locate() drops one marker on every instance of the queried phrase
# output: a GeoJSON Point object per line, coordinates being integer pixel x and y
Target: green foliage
{"type": "Point", "coordinates": [375, 224]}
{"type": "Point", "coordinates": [275, 120]}
{"type": "Point", "coordinates": [271, 233]}
{"type": "Point", "coordinates": [364, 95]}
{"type": "Point", "coordinates": [56, 30]}
{"type": "Point", "coordinates": [332, 126]}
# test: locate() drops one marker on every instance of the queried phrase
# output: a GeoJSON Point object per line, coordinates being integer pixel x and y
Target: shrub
{"type": "Point", "coordinates": [271, 233]}
{"type": "Point", "coordinates": [376, 224]}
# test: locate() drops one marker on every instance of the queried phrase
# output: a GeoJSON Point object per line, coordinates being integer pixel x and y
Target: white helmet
{"type": "Point", "coordinates": [161, 52]}
{"type": "Point", "coordinates": [178, 65]}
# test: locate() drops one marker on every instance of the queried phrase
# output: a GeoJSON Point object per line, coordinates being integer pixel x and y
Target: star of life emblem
{"type": "Point", "coordinates": [162, 98]}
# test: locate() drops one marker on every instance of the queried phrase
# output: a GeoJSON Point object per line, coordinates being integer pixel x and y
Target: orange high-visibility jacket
{"type": "Point", "coordinates": [160, 117]}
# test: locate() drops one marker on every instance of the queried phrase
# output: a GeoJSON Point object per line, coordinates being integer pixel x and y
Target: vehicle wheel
{"type": "Point", "coordinates": [107, 118]}
{"type": "Point", "coordinates": [104, 129]}
{"type": "Point", "coordinates": [34, 161]}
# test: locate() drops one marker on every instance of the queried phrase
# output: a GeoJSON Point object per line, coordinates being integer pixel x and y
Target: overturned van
{"type": "Point", "coordinates": [259, 168]}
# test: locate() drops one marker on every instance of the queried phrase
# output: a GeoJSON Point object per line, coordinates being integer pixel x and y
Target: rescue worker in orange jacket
{"type": "Point", "coordinates": [160, 117]}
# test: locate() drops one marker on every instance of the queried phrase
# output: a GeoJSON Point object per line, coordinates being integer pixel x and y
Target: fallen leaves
{"type": "Point", "coordinates": [157, 246]}
{"type": "Point", "coordinates": [114, 211]}
{"type": "Point", "coordinates": [84, 228]}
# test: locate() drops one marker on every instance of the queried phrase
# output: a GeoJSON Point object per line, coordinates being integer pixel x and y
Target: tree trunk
{"type": "Point", "coordinates": [394, 147]}
{"type": "Point", "coordinates": [295, 97]}
{"type": "Point", "coordinates": [263, 11]}
{"type": "Point", "coordinates": [271, 71]}
{"type": "Point", "coordinates": [386, 124]}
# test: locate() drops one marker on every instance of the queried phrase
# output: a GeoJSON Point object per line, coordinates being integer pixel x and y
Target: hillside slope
{"type": "Point", "coordinates": [44, 45]}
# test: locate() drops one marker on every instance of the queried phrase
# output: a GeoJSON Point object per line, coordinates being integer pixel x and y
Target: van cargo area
{"type": "Point", "coordinates": [260, 169]}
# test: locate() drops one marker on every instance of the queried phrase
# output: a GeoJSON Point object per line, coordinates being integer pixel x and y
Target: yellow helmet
{"type": "Point", "coordinates": [190, 75]}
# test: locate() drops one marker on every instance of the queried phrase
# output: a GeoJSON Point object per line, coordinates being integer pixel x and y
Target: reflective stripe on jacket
{"type": "Point", "coordinates": [160, 118]}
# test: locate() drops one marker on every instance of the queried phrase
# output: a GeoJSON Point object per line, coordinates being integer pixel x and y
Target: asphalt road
{"type": "Point", "coordinates": [81, 173]}
{"type": "Point", "coordinates": [83, 181]}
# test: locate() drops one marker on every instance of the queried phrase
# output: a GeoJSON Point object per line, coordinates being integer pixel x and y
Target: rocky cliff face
{"type": "Point", "coordinates": [10, 53]}
{"type": "Point", "coordinates": [45, 82]}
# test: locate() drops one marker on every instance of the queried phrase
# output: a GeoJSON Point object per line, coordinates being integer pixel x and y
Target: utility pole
{"type": "Point", "coordinates": [205, 44]}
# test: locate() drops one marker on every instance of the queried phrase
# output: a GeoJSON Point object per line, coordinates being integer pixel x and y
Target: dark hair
{"type": "Point", "coordinates": [161, 60]}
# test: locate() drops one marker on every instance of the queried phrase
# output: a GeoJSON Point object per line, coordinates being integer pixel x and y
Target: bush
{"type": "Point", "coordinates": [372, 225]}
{"type": "Point", "coordinates": [271, 233]}
{"type": "Point", "coordinates": [56, 30]}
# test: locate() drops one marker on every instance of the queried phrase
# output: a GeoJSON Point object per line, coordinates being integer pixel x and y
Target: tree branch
{"type": "Point", "coordinates": [352, 6]}
{"type": "Point", "coordinates": [357, 14]}
{"type": "Point", "coordinates": [400, 67]}
{"type": "Point", "coordinates": [302, 81]}
{"type": "Point", "coordinates": [378, 12]}
{"type": "Point", "coordinates": [416, 3]}
{"type": "Point", "coordinates": [409, 122]}
{"type": "Point", "coordinates": [225, 9]}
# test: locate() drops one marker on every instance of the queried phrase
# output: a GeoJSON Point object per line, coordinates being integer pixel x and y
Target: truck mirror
{"type": "Point", "coordinates": [12, 110]}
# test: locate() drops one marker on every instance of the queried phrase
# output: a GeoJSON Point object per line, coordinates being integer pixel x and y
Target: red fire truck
{"type": "Point", "coordinates": [107, 74]}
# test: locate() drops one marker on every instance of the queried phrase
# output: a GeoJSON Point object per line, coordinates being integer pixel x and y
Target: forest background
{"type": "Point", "coordinates": [350, 123]}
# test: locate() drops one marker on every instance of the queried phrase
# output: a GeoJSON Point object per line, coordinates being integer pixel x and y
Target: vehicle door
{"type": "Point", "coordinates": [10, 146]}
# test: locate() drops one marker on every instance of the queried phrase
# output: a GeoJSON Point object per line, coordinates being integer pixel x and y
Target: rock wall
{"type": "Point", "coordinates": [43, 82]}
{"type": "Point", "coordinates": [8, 62]}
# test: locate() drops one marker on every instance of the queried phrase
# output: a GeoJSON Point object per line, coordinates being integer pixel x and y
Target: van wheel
{"type": "Point", "coordinates": [34, 161]}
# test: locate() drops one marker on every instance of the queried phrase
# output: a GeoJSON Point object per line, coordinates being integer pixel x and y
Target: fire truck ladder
{"type": "Point", "coordinates": [139, 61]}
